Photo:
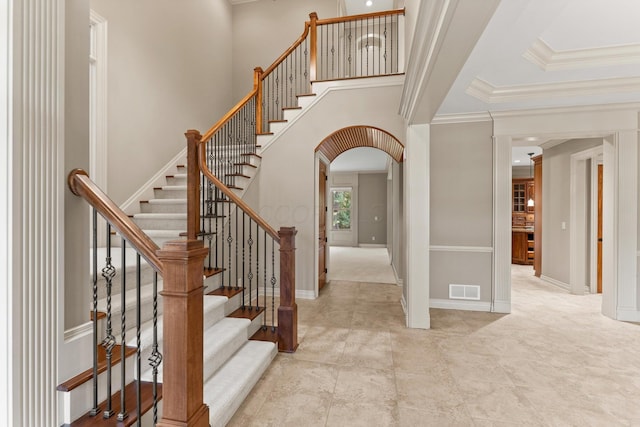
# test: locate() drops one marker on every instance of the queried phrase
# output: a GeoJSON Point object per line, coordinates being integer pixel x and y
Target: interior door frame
{"type": "Point", "coordinates": [320, 158]}
{"type": "Point", "coordinates": [583, 208]}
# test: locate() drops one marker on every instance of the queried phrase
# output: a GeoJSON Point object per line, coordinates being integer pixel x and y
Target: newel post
{"type": "Point", "coordinates": [183, 297]}
{"type": "Point", "coordinates": [313, 34]}
{"type": "Point", "coordinates": [193, 184]}
{"type": "Point", "coordinates": [257, 85]}
{"type": "Point", "coordinates": [288, 310]}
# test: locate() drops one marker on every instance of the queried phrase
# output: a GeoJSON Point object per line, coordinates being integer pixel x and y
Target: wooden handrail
{"type": "Point", "coordinates": [202, 163]}
{"type": "Point", "coordinates": [82, 186]}
{"type": "Point", "coordinates": [358, 17]}
{"type": "Point", "coordinates": [288, 51]}
{"type": "Point", "coordinates": [230, 114]}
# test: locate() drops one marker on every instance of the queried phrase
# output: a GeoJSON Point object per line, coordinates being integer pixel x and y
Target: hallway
{"type": "Point", "coordinates": [555, 361]}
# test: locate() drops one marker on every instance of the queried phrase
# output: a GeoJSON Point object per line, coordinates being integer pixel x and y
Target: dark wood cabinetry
{"type": "Point", "coordinates": [522, 221]}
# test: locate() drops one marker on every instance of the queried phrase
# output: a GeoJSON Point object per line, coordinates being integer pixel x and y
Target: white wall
{"type": "Point", "coordinates": [461, 188]}
{"type": "Point", "coordinates": [169, 70]}
{"type": "Point", "coordinates": [556, 193]}
{"type": "Point", "coordinates": [289, 163]}
{"type": "Point", "coordinates": [263, 30]}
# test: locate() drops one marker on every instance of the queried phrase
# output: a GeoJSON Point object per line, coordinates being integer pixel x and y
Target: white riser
{"type": "Point", "coordinates": [164, 206]}
{"type": "Point", "coordinates": [177, 179]}
{"type": "Point", "coordinates": [161, 221]}
{"type": "Point", "coordinates": [277, 126]}
{"type": "Point", "coordinates": [305, 101]}
{"type": "Point", "coordinates": [290, 114]}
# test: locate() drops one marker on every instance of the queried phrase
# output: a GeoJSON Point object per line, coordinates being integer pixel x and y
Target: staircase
{"type": "Point", "coordinates": [166, 360]}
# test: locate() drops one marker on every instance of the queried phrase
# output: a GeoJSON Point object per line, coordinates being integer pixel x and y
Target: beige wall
{"type": "Point", "coordinates": [556, 194]}
{"type": "Point", "coordinates": [289, 163]}
{"type": "Point", "coordinates": [169, 68]}
{"type": "Point", "coordinates": [78, 289]}
{"type": "Point", "coordinates": [263, 30]}
{"type": "Point", "coordinates": [461, 190]}
{"type": "Point", "coordinates": [372, 208]}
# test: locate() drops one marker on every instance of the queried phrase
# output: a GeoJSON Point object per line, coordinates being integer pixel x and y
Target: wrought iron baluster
{"type": "Point", "coordinates": [264, 279]}
{"type": "Point", "coordinates": [244, 219]}
{"type": "Point", "coordinates": [123, 326]}
{"type": "Point", "coordinates": [156, 357]}
{"type": "Point", "coordinates": [273, 285]}
{"type": "Point", "coordinates": [236, 242]}
{"type": "Point", "coordinates": [385, 44]}
{"type": "Point", "coordinates": [229, 241]}
{"type": "Point", "coordinates": [257, 267]}
{"type": "Point", "coordinates": [250, 274]}
{"type": "Point", "coordinates": [95, 410]}
{"type": "Point", "coordinates": [108, 272]}
{"type": "Point", "coordinates": [138, 341]}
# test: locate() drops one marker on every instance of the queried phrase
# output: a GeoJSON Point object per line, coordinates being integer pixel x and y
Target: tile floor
{"type": "Point", "coordinates": [554, 361]}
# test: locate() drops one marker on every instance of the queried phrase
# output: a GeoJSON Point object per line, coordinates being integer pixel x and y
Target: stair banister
{"type": "Point", "coordinates": [180, 263]}
{"type": "Point", "coordinates": [313, 61]}
{"type": "Point", "coordinates": [81, 185]}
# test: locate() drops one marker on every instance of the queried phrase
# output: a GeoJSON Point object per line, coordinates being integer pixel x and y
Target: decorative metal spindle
{"type": "Point", "coordinates": [95, 410]}
{"type": "Point", "coordinates": [243, 250]}
{"type": "Point", "coordinates": [222, 258]}
{"type": "Point", "coordinates": [138, 341]}
{"type": "Point", "coordinates": [257, 267]}
{"type": "Point", "coordinates": [108, 272]}
{"type": "Point", "coordinates": [236, 243]}
{"type": "Point", "coordinates": [393, 69]}
{"type": "Point", "coordinates": [385, 44]}
{"type": "Point", "coordinates": [156, 357]}
{"type": "Point", "coordinates": [229, 241]}
{"type": "Point", "coordinates": [264, 279]}
{"type": "Point", "coordinates": [123, 340]}
{"type": "Point", "coordinates": [250, 275]}
{"type": "Point", "coordinates": [273, 285]}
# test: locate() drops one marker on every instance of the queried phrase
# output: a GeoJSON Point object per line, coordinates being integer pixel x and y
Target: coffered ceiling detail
{"type": "Point", "coordinates": [544, 56]}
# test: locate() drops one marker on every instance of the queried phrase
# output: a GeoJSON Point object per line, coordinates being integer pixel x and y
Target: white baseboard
{"type": "Point", "coordinates": [145, 192]}
{"type": "Point", "coordinates": [558, 283]}
{"type": "Point", "coordinates": [460, 305]}
{"type": "Point", "coordinates": [399, 281]}
{"type": "Point", "coordinates": [371, 245]}
{"type": "Point", "coordinates": [628, 315]}
{"type": "Point", "coordinates": [502, 307]}
{"type": "Point", "coordinates": [86, 329]}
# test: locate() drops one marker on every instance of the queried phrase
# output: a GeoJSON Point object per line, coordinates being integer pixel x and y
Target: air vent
{"type": "Point", "coordinates": [470, 292]}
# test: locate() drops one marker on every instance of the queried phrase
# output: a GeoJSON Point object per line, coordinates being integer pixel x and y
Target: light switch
{"type": "Point", "coordinates": [563, 225]}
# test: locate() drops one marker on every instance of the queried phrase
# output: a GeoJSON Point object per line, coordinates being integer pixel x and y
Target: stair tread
{"type": "Point", "coordinates": [146, 392]}
{"type": "Point", "coordinates": [247, 312]}
{"type": "Point", "coordinates": [87, 375]}
{"type": "Point", "coordinates": [225, 391]}
{"type": "Point", "coordinates": [226, 291]}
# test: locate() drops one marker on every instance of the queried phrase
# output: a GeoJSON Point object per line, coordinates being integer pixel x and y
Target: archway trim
{"type": "Point", "coordinates": [360, 136]}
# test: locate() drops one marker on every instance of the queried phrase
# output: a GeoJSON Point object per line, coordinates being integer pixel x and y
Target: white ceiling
{"type": "Point", "coordinates": [546, 53]}
{"type": "Point", "coordinates": [357, 7]}
{"type": "Point", "coordinates": [362, 159]}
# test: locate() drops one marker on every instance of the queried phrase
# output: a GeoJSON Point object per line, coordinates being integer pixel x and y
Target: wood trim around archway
{"type": "Point", "coordinates": [360, 136]}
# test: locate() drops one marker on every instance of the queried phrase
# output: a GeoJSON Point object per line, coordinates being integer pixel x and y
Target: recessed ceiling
{"type": "Point", "coordinates": [549, 53]}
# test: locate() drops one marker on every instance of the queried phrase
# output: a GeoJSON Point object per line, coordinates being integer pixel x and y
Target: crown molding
{"type": "Point", "coordinates": [491, 94]}
{"type": "Point", "coordinates": [483, 116]}
{"type": "Point", "coordinates": [628, 106]}
{"type": "Point", "coordinates": [545, 57]}
{"type": "Point", "coordinates": [235, 2]}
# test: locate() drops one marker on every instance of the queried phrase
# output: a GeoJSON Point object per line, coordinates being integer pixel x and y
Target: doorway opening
{"type": "Point", "coordinates": [358, 201]}
{"type": "Point", "coordinates": [569, 217]}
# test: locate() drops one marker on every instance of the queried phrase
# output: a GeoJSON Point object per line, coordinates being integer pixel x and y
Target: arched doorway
{"type": "Point", "coordinates": [327, 151]}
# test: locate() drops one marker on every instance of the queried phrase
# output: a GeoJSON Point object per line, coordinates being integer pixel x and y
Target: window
{"type": "Point", "coordinates": [341, 208]}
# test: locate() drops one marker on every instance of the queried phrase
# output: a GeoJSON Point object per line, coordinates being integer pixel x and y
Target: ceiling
{"type": "Point", "coordinates": [357, 7]}
{"type": "Point", "coordinates": [551, 53]}
{"type": "Point", "coordinates": [361, 159]}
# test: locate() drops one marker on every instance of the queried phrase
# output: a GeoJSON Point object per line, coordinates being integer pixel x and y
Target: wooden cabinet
{"type": "Point", "coordinates": [522, 246]}
{"type": "Point", "coordinates": [522, 221]}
